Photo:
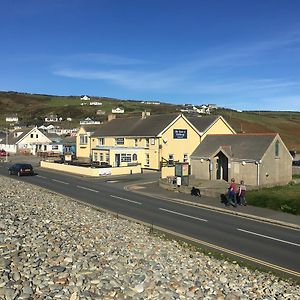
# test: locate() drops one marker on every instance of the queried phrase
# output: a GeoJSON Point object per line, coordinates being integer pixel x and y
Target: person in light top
{"type": "Point", "coordinates": [242, 193]}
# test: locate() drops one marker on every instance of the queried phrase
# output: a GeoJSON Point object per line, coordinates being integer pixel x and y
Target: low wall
{"type": "Point", "coordinates": [296, 170]}
{"type": "Point", "coordinates": [167, 172]}
{"type": "Point", "coordinates": [94, 172]}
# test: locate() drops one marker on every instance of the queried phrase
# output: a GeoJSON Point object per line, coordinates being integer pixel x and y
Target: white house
{"type": "Point", "coordinates": [118, 110]}
{"type": "Point", "coordinates": [89, 121]}
{"type": "Point", "coordinates": [12, 118]}
{"type": "Point", "coordinates": [95, 103]}
{"type": "Point", "coordinates": [85, 98]}
{"type": "Point", "coordinates": [100, 112]}
{"type": "Point", "coordinates": [51, 118]}
{"type": "Point", "coordinates": [25, 140]}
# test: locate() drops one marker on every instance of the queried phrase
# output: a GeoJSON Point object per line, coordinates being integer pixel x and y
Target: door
{"type": "Point", "coordinates": [117, 160]}
{"type": "Point", "coordinates": [222, 167]}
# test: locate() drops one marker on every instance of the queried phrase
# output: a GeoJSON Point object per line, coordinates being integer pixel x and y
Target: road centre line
{"type": "Point", "coordinates": [59, 181]}
{"type": "Point", "coordinates": [85, 188]}
{"type": "Point", "coordinates": [180, 214]}
{"type": "Point", "coordinates": [269, 237]}
{"type": "Point", "coordinates": [41, 176]}
{"type": "Point", "coordinates": [128, 200]}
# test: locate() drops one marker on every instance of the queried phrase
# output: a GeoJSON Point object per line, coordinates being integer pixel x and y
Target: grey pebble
{"type": "Point", "coordinates": [52, 247]}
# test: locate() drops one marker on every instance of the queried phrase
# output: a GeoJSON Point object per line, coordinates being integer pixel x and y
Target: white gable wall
{"type": "Point", "coordinates": [31, 140]}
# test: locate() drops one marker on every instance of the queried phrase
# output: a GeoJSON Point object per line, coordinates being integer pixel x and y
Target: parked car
{"type": "Point", "coordinates": [3, 153]}
{"type": "Point", "coordinates": [296, 163]}
{"type": "Point", "coordinates": [21, 169]}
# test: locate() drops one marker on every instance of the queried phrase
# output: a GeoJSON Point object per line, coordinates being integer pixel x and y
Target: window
{"type": "Point", "coordinates": [83, 139]}
{"type": "Point", "coordinates": [277, 148]}
{"type": "Point", "coordinates": [101, 157]}
{"type": "Point", "coordinates": [119, 141]}
{"type": "Point", "coordinates": [45, 147]}
{"type": "Point", "coordinates": [185, 157]}
{"type": "Point", "coordinates": [54, 147]}
{"type": "Point", "coordinates": [125, 157]}
{"type": "Point", "coordinates": [147, 142]}
{"type": "Point", "coordinates": [134, 157]}
{"type": "Point", "coordinates": [37, 136]}
{"type": "Point", "coordinates": [152, 141]}
{"type": "Point", "coordinates": [171, 159]}
{"type": "Point", "coordinates": [107, 157]}
{"type": "Point", "coordinates": [101, 141]}
{"type": "Point", "coordinates": [31, 135]}
{"type": "Point", "coordinates": [147, 160]}
{"type": "Point", "coordinates": [135, 142]}
{"type": "Point", "coordinates": [95, 157]}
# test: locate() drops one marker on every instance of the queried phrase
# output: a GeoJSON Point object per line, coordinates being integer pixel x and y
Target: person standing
{"type": "Point", "coordinates": [242, 193]}
{"type": "Point", "coordinates": [232, 191]}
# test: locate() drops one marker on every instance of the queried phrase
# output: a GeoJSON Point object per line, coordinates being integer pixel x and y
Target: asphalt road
{"type": "Point", "coordinates": [275, 246]}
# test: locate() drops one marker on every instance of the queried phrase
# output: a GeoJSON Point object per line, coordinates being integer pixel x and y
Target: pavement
{"type": "Point", "coordinates": [214, 203]}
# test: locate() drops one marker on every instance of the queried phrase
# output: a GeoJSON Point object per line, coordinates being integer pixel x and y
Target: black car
{"type": "Point", "coordinates": [21, 169]}
{"type": "Point", "coordinates": [296, 162]}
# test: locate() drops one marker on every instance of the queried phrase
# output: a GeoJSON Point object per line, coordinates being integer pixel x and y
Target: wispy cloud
{"type": "Point", "coordinates": [232, 72]}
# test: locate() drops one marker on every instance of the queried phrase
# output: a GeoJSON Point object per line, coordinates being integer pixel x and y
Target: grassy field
{"type": "Point", "coordinates": [287, 124]}
{"type": "Point", "coordinates": [282, 198]}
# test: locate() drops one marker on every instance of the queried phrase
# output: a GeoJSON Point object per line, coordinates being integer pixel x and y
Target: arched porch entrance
{"type": "Point", "coordinates": [222, 166]}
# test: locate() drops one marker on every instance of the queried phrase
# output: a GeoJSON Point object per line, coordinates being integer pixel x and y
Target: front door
{"type": "Point", "coordinates": [117, 160]}
{"type": "Point", "coordinates": [222, 167]}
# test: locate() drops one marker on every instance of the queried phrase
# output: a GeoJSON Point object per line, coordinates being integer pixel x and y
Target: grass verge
{"type": "Point", "coordinates": [281, 198]}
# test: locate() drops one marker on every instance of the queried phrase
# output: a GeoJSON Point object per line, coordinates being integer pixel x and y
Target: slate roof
{"type": "Point", "coordinates": [69, 140]}
{"type": "Point", "coordinates": [13, 140]}
{"type": "Point", "coordinates": [90, 127]}
{"type": "Point", "coordinates": [204, 122]}
{"type": "Point", "coordinates": [238, 146]}
{"type": "Point", "coordinates": [135, 126]}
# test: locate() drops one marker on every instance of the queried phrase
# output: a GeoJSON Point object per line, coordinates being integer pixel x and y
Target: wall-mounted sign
{"type": "Point", "coordinates": [180, 133]}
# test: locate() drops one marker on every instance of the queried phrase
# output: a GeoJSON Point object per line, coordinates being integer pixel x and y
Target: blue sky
{"type": "Point", "coordinates": [242, 54]}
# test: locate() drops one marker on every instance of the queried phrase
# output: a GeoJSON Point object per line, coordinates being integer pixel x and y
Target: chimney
{"type": "Point", "coordinates": [111, 117]}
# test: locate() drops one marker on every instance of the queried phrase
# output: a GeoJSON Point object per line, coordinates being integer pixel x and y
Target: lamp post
{"type": "Point", "coordinates": [6, 153]}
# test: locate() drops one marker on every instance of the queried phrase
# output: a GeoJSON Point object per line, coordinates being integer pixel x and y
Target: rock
{"type": "Point", "coordinates": [51, 247]}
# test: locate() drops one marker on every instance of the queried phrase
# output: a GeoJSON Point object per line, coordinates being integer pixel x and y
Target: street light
{"type": "Point", "coordinates": [6, 153]}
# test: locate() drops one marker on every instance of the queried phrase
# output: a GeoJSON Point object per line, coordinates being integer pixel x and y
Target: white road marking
{"type": "Point", "coordinates": [41, 176]}
{"type": "Point", "coordinates": [59, 181]}
{"type": "Point", "coordinates": [269, 237]}
{"type": "Point", "coordinates": [128, 200]}
{"type": "Point", "coordinates": [184, 215]}
{"type": "Point", "coordinates": [85, 188]}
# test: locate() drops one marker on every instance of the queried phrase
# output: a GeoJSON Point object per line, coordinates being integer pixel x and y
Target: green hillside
{"type": "Point", "coordinates": [32, 109]}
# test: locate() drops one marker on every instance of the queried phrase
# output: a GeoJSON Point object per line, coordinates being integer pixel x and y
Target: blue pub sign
{"type": "Point", "coordinates": [180, 133]}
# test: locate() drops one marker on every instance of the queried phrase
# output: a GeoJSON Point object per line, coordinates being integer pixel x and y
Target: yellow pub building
{"type": "Point", "coordinates": [150, 140]}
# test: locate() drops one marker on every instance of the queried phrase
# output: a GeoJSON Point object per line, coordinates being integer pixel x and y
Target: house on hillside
{"type": "Point", "coordinates": [89, 121]}
{"type": "Point", "coordinates": [149, 140]}
{"type": "Point", "coordinates": [258, 159]}
{"type": "Point", "coordinates": [85, 98]}
{"type": "Point", "coordinates": [118, 110]}
{"type": "Point", "coordinates": [95, 103]}
{"type": "Point", "coordinates": [52, 118]}
{"type": "Point", "coordinates": [12, 118]}
{"type": "Point", "coordinates": [100, 112]}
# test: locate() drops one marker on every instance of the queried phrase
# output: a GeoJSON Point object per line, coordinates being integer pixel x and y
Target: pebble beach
{"type": "Point", "coordinates": [53, 247]}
